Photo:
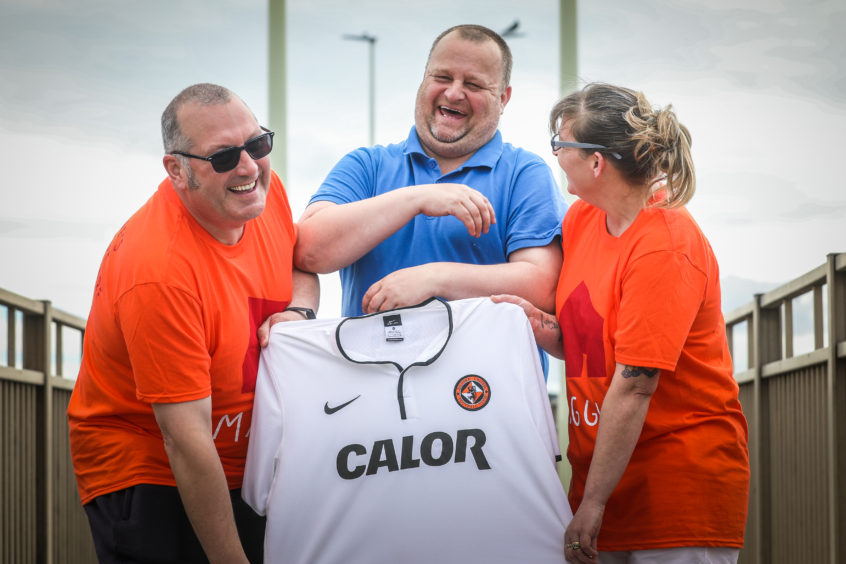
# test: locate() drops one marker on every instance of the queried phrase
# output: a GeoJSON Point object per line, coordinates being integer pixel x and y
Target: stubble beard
{"type": "Point", "coordinates": [444, 141]}
{"type": "Point", "coordinates": [453, 138]}
{"type": "Point", "coordinates": [191, 178]}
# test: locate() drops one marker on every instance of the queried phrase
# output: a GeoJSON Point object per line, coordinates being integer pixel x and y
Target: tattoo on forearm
{"type": "Point", "coordinates": [551, 323]}
{"type": "Point", "coordinates": [635, 371]}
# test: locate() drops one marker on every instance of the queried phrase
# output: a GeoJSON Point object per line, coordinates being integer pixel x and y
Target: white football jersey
{"type": "Point", "coordinates": [418, 435]}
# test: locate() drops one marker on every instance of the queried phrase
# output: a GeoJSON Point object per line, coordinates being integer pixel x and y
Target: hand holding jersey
{"type": "Point", "coordinates": [544, 325]}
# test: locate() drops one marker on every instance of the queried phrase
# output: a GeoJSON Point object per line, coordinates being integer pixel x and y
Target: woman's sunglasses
{"type": "Point", "coordinates": [226, 159]}
{"type": "Point", "coordinates": [557, 144]}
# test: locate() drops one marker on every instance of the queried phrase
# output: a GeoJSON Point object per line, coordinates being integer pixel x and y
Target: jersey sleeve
{"type": "Point", "coordinates": [662, 293]}
{"type": "Point", "coordinates": [265, 436]}
{"type": "Point", "coordinates": [351, 180]}
{"type": "Point", "coordinates": [536, 207]}
{"type": "Point", "coordinates": [164, 333]}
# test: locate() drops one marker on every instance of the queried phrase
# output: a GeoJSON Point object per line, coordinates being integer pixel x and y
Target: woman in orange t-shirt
{"type": "Point", "coordinates": [663, 474]}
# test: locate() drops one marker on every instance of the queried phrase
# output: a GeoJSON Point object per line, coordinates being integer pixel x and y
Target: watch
{"type": "Point", "coordinates": [306, 312]}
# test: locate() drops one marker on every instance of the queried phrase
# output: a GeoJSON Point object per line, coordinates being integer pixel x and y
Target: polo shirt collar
{"type": "Point", "coordinates": [487, 155]}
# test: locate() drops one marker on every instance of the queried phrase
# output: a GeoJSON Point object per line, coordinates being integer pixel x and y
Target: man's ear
{"type": "Point", "coordinates": [176, 172]}
{"type": "Point", "coordinates": [504, 98]}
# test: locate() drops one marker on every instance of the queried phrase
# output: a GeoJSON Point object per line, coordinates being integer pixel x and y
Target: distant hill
{"type": "Point", "coordinates": [740, 291]}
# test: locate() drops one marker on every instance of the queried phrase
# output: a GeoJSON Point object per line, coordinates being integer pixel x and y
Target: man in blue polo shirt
{"type": "Point", "coordinates": [452, 211]}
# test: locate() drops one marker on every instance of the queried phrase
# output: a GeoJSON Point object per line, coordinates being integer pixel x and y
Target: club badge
{"type": "Point", "coordinates": [472, 392]}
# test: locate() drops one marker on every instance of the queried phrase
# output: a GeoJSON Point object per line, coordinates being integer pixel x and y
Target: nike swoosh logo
{"type": "Point", "coordinates": [330, 410]}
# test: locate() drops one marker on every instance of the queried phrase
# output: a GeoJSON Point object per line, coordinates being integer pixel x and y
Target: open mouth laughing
{"type": "Point", "coordinates": [452, 113]}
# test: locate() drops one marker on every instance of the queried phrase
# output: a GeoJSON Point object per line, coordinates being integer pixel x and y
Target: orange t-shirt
{"type": "Point", "coordinates": [174, 319]}
{"type": "Point", "coordinates": [651, 297]}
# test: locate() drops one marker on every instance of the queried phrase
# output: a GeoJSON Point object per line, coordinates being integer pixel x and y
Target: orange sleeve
{"type": "Point", "coordinates": [163, 331]}
{"type": "Point", "coordinates": [660, 297]}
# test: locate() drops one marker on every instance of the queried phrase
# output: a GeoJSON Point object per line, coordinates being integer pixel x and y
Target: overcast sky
{"type": "Point", "coordinates": [83, 83]}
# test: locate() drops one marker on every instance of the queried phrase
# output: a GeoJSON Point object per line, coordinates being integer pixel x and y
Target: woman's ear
{"type": "Point", "coordinates": [599, 164]}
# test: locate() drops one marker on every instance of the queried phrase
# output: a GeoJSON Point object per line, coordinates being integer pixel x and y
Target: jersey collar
{"type": "Point", "coordinates": [429, 349]}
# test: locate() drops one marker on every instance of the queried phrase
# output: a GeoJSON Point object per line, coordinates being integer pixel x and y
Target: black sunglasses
{"type": "Point", "coordinates": [226, 159]}
{"type": "Point", "coordinates": [559, 144]}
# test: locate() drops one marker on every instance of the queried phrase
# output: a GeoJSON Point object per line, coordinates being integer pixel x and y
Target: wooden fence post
{"type": "Point", "coordinates": [836, 402]}
{"type": "Point", "coordinates": [37, 356]}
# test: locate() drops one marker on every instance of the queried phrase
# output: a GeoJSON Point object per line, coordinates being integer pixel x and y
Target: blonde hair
{"type": "Point", "coordinates": [654, 145]}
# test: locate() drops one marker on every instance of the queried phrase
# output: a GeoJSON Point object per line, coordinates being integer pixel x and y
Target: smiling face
{"type": "Point", "coordinates": [221, 202]}
{"type": "Point", "coordinates": [460, 99]}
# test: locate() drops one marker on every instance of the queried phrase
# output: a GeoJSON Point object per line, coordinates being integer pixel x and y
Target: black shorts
{"type": "Point", "coordinates": [147, 523]}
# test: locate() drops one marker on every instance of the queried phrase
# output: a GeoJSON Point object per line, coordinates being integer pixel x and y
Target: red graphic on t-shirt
{"type": "Point", "coordinates": [260, 309]}
{"type": "Point", "coordinates": [581, 329]}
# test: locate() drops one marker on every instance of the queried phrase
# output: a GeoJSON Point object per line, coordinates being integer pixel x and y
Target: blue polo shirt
{"type": "Point", "coordinates": [528, 205]}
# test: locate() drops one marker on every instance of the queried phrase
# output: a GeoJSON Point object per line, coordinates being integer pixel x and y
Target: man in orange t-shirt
{"type": "Point", "coordinates": [160, 414]}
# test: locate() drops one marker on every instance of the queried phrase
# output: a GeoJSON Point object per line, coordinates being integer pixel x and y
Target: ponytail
{"type": "Point", "coordinates": [655, 147]}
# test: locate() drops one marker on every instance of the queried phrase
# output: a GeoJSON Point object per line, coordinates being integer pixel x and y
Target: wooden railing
{"type": "Point", "coordinates": [41, 519]}
{"type": "Point", "coordinates": [789, 346]}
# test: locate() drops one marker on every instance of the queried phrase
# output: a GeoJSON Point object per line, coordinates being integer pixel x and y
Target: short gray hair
{"type": "Point", "coordinates": [173, 138]}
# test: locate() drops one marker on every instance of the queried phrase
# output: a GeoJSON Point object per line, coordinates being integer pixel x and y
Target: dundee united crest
{"type": "Point", "coordinates": [472, 392]}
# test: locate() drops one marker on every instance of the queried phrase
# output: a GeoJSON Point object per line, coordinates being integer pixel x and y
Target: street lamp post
{"type": "Point", "coordinates": [511, 31]}
{"type": "Point", "coordinates": [371, 41]}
